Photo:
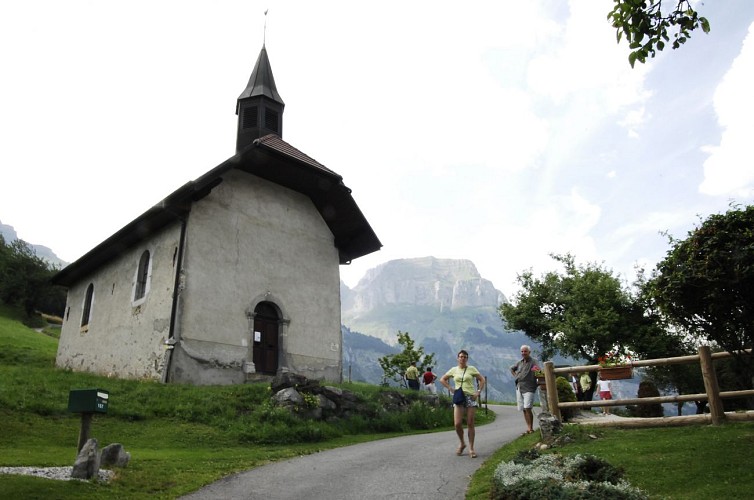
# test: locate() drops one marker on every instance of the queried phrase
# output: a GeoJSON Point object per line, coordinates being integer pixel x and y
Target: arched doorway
{"type": "Point", "coordinates": [266, 333]}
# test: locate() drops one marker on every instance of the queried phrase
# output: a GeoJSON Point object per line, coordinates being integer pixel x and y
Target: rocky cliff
{"type": "Point", "coordinates": [441, 285]}
{"type": "Point", "coordinates": [444, 284]}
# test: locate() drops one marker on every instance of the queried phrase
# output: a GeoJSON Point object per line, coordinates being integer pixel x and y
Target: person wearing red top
{"type": "Point", "coordinates": [429, 380]}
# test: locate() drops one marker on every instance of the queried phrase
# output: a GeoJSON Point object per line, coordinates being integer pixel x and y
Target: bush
{"type": "Point", "coordinates": [565, 394]}
{"type": "Point", "coordinates": [531, 476]}
{"type": "Point", "coordinates": [647, 389]}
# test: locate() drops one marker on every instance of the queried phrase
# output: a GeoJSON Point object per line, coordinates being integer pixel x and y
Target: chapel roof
{"type": "Point", "coordinates": [270, 158]}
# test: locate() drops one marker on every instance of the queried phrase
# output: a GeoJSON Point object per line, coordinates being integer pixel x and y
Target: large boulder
{"type": "Point", "coordinates": [87, 462]}
{"type": "Point", "coordinates": [114, 455]}
{"type": "Point", "coordinates": [549, 426]}
{"type": "Point", "coordinates": [288, 397]}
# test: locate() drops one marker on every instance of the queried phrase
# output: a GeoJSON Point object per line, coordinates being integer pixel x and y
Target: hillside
{"type": "Point", "coordinates": [9, 235]}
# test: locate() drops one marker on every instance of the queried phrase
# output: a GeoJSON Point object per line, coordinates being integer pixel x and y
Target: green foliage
{"type": "Point", "coordinates": [647, 389]}
{"type": "Point", "coordinates": [705, 284]}
{"type": "Point", "coordinates": [646, 27]}
{"type": "Point", "coordinates": [565, 394]}
{"type": "Point", "coordinates": [394, 365]}
{"type": "Point", "coordinates": [581, 313]}
{"type": "Point", "coordinates": [25, 280]}
{"type": "Point", "coordinates": [554, 476]}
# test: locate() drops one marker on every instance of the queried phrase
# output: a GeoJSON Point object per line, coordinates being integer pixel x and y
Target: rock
{"type": "Point", "coordinates": [296, 393]}
{"type": "Point", "coordinates": [549, 426]}
{"type": "Point", "coordinates": [326, 404]}
{"type": "Point", "coordinates": [289, 379]}
{"type": "Point", "coordinates": [288, 397]}
{"type": "Point", "coordinates": [114, 455]}
{"type": "Point", "coordinates": [86, 465]}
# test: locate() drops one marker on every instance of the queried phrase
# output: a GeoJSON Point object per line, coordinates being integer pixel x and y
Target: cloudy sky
{"type": "Point", "coordinates": [498, 132]}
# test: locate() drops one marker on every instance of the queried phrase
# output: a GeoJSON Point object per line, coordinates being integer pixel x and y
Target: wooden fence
{"type": "Point", "coordinates": [705, 358]}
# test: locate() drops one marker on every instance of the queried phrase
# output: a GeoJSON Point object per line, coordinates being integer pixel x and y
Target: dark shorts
{"type": "Point", "coordinates": [470, 402]}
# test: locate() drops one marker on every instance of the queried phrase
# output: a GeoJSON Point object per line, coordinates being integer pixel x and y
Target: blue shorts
{"type": "Point", "coordinates": [470, 402]}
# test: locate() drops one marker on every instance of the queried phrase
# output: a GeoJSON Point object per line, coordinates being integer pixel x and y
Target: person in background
{"type": "Point", "coordinates": [605, 394]}
{"type": "Point", "coordinates": [586, 383]}
{"type": "Point", "coordinates": [574, 377]}
{"type": "Point", "coordinates": [526, 385]}
{"type": "Point", "coordinates": [463, 377]}
{"type": "Point", "coordinates": [429, 380]}
{"type": "Point", "coordinates": [412, 376]}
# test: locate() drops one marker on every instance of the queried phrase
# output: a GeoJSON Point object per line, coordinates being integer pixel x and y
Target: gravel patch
{"type": "Point", "coordinates": [59, 473]}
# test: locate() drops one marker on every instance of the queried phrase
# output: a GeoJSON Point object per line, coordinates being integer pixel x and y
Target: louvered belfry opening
{"type": "Point", "coordinates": [259, 107]}
{"type": "Point", "coordinates": [251, 117]}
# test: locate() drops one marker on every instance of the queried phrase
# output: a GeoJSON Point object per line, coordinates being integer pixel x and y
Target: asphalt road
{"type": "Point", "coordinates": [423, 466]}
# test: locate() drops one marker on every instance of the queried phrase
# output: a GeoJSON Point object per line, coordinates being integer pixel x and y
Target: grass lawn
{"type": "Point", "coordinates": [692, 462]}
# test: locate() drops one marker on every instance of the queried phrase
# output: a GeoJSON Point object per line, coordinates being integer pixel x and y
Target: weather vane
{"type": "Point", "coordinates": [264, 34]}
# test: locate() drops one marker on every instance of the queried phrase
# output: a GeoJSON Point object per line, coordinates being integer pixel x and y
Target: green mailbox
{"type": "Point", "coordinates": [88, 401]}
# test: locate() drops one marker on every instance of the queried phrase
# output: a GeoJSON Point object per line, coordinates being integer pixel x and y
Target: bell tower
{"type": "Point", "coordinates": [259, 107]}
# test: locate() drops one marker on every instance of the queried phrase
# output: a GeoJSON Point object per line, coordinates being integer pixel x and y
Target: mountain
{"type": "Point", "coordinates": [428, 297]}
{"type": "Point", "coordinates": [444, 304]}
{"type": "Point", "coordinates": [9, 235]}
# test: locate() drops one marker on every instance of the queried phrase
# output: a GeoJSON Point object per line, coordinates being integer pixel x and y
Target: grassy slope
{"type": "Point", "coordinates": [183, 437]}
{"type": "Point", "coordinates": [180, 437]}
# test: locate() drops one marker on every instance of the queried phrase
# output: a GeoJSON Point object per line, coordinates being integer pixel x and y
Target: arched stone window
{"type": "Point", "coordinates": [86, 313]}
{"type": "Point", "coordinates": [142, 276]}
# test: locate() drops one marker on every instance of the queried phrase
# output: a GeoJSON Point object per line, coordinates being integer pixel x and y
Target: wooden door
{"type": "Point", "coordinates": [266, 326]}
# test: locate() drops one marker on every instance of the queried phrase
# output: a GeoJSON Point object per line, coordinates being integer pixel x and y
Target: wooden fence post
{"type": "Point", "coordinates": [552, 389]}
{"type": "Point", "coordinates": [711, 386]}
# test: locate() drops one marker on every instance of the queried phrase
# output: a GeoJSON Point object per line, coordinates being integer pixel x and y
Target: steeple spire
{"type": "Point", "coordinates": [259, 107]}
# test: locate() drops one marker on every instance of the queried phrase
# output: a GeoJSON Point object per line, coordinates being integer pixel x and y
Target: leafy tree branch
{"type": "Point", "coordinates": [647, 29]}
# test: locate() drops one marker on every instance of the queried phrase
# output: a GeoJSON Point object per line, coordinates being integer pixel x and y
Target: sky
{"type": "Point", "coordinates": [499, 132]}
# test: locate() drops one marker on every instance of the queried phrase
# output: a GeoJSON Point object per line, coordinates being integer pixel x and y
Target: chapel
{"type": "Point", "coordinates": [232, 277]}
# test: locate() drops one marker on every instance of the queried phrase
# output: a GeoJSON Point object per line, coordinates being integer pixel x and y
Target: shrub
{"type": "Point", "coordinates": [565, 394]}
{"type": "Point", "coordinates": [554, 476]}
{"type": "Point", "coordinates": [647, 389]}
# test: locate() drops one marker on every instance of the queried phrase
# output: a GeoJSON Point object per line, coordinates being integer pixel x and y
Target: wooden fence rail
{"type": "Point", "coordinates": [705, 358]}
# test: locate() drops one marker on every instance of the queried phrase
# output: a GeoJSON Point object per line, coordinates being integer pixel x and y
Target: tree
{"type": "Point", "coordinates": [394, 365]}
{"type": "Point", "coordinates": [705, 283]}
{"type": "Point", "coordinates": [583, 312]}
{"type": "Point", "coordinates": [646, 28]}
{"type": "Point", "coordinates": [25, 280]}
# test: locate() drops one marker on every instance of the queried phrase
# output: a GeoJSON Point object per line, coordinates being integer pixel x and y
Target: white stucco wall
{"type": "Point", "coordinates": [125, 337]}
{"type": "Point", "coordinates": [248, 238]}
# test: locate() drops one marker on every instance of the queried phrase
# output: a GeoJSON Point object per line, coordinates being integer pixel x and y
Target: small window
{"type": "Point", "coordinates": [142, 276]}
{"type": "Point", "coordinates": [87, 307]}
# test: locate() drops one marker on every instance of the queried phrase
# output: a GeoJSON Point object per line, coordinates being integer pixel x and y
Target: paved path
{"type": "Point", "coordinates": [422, 466]}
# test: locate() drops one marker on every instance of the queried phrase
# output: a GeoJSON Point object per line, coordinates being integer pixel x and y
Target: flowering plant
{"type": "Point", "coordinates": [613, 359]}
{"type": "Point", "coordinates": [538, 373]}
